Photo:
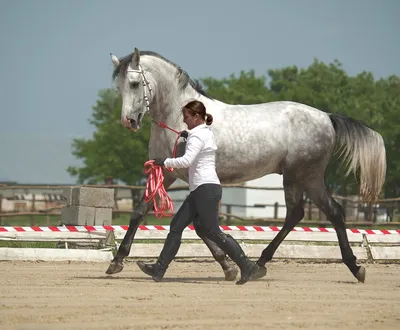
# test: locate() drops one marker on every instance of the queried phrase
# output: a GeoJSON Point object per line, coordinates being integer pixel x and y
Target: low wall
{"type": "Point", "coordinates": [301, 243]}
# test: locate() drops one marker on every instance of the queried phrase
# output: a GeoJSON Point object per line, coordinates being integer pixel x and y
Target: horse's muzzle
{"type": "Point", "coordinates": [133, 124]}
{"type": "Point", "coordinates": [130, 124]}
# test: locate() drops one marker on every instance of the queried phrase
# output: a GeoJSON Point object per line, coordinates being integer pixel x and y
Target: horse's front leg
{"type": "Point", "coordinates": [137, 217]}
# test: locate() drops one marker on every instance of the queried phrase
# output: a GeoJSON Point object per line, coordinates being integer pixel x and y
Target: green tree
{"type": "Point", "coordinates": [388, 100]}
{"type": "Point", "coordinates": [245, 89]}
{"type": "Point", "coordinates": [112, 151]}
{"type": "Point", "coordinates": [324, 87]}
{"type": "Point", "coordinates": [329, 88]}
{"type": "Point", "coordinates": [320, 85]}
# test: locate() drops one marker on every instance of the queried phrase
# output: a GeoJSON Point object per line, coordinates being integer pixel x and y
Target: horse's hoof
{"type": "Point", "coordinates": [360, 275]}
{"type": "Point", "coordinates": [261, 272]}
{"type": "Point", "coordinates": [114, 268]}
{"type": "Point", "coordinates": [231, 273]}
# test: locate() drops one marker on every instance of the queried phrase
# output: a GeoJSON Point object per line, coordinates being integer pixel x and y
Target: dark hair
{"type": "Point", "coordinates": [197, 107]}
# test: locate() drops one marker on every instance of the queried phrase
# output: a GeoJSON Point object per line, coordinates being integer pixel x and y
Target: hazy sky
{"type": "Point", "coordinates": [54, 57]}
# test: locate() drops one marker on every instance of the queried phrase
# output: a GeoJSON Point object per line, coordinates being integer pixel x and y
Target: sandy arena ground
{"type": "Point", "coordinates": [41, 295]}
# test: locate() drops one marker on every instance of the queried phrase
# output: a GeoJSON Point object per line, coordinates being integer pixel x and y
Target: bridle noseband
{"type": "Point", "coordinates": [146, 83]}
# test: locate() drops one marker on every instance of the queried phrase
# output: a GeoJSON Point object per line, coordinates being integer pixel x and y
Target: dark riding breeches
{"type": "Point", "coordinates": [201, 208]}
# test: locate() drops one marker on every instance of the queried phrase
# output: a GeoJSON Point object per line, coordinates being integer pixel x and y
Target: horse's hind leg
{"type": "Point", "coordinates": [318, 193]}
{"type": "Point", "coordinates": [230, 271]}
{"type": "Point", "coordinates": [294, 214]}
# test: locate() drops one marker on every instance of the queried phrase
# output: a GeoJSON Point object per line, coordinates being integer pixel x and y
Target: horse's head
{"type": "Point", "coordinates": [134, 88]}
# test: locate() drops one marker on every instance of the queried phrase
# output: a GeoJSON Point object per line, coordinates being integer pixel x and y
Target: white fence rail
{"type": "Point", "coordinates": [313, 243]}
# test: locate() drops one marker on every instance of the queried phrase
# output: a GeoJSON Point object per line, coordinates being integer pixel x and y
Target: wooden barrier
{"type": "Point", "coordinates": [368, 212]}
{"type": "Point", "coordinates": [297, 245]}
{"type": "Point", "coordinates": [32, 254]}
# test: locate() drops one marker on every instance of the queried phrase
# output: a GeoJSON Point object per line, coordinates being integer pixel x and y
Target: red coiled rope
{"type": "Point", "coordinates": [155, 183]}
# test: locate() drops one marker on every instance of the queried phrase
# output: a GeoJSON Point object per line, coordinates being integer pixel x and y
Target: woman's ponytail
{"type": "Point", "coordinates": [209, 119]}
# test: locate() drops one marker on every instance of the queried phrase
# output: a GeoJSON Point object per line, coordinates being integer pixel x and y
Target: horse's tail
{"type": "Point", "coordinates": [362, 149]}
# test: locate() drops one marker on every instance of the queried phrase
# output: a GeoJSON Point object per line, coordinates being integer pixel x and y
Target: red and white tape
{"type": "Point", "coordinates": [224, 228]}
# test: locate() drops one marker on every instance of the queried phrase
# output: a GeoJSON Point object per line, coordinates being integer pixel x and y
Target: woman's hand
{"type": "Point", "coordinates": [159, 161]}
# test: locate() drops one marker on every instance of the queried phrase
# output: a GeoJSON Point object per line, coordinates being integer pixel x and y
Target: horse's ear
{"type": "Point", "coordinates": [114, 59]}
{"type": "Point", "coordinates": [135, 59]}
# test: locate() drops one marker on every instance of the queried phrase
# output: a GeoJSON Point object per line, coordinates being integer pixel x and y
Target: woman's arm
{"type": "Point", "coordinates": [193, 148]}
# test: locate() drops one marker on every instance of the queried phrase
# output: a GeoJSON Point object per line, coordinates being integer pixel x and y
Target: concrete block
{"type": "Point", "coordinates": [103, 216]}
{"type": "Point", "coordinates": [385, 252]}
{"type": "Point", "coordinates": [67, 194]}
{"type": "Point", "coordinates": [78, 215]}
{"type": "Point", "coordinates": [93, 197]}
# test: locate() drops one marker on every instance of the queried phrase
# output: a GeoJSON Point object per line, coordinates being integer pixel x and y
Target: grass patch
{"type": "Point", "coordinates": [55, 220]}
{"type": "Point", "coordinates": [35, 245]}
{"type": "Point", "coordinates": [123, 219]}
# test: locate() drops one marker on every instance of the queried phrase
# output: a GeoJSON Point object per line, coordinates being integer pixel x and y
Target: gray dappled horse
{"type": "Point", "coordinates": [288, 138]}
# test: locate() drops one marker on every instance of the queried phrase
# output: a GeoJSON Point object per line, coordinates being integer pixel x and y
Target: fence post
{"type": "Point", "coordinates": [115, 214]}
{"type": "Point", "coordinates": [33, 209]}
{"type": "Point", "coordinates": [1, 218]}
{"type": "Point", "coordinates": [228, 211]}
{"type": "Point", "coordinates": [309, 209]}
{"type": "Point", "coordinates": [357, 207]}
{"type": "Point", "coordinates": [276, 207]}
{"type": "Point", "coordinates": [370, 213]}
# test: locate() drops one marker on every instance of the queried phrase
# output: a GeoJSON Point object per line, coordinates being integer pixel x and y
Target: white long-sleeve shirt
{"type": "Point", "coordinates": [199, 157]}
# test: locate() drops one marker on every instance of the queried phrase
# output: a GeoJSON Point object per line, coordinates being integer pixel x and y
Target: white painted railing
{"type": "Point", "coordinates": [302, 243]}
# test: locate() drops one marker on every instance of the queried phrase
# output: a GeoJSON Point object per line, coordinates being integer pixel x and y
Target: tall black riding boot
{"type": "Point", "coordinates": [169, 251]}
{"type": "Point", "coordinates": [156, 271]}
{"type": "Point", "coordinates": [232, 248]}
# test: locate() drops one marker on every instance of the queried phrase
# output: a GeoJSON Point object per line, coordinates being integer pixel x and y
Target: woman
{"type": "Point", "coordinates": [202, 202]}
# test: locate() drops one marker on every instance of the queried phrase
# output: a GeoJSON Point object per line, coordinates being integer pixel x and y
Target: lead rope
{"type": "Point", "coordinates": [155, 183]}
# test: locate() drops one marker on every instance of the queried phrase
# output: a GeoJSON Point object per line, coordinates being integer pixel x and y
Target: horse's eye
{"type": "Point", "coordinates": [134, 84]}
